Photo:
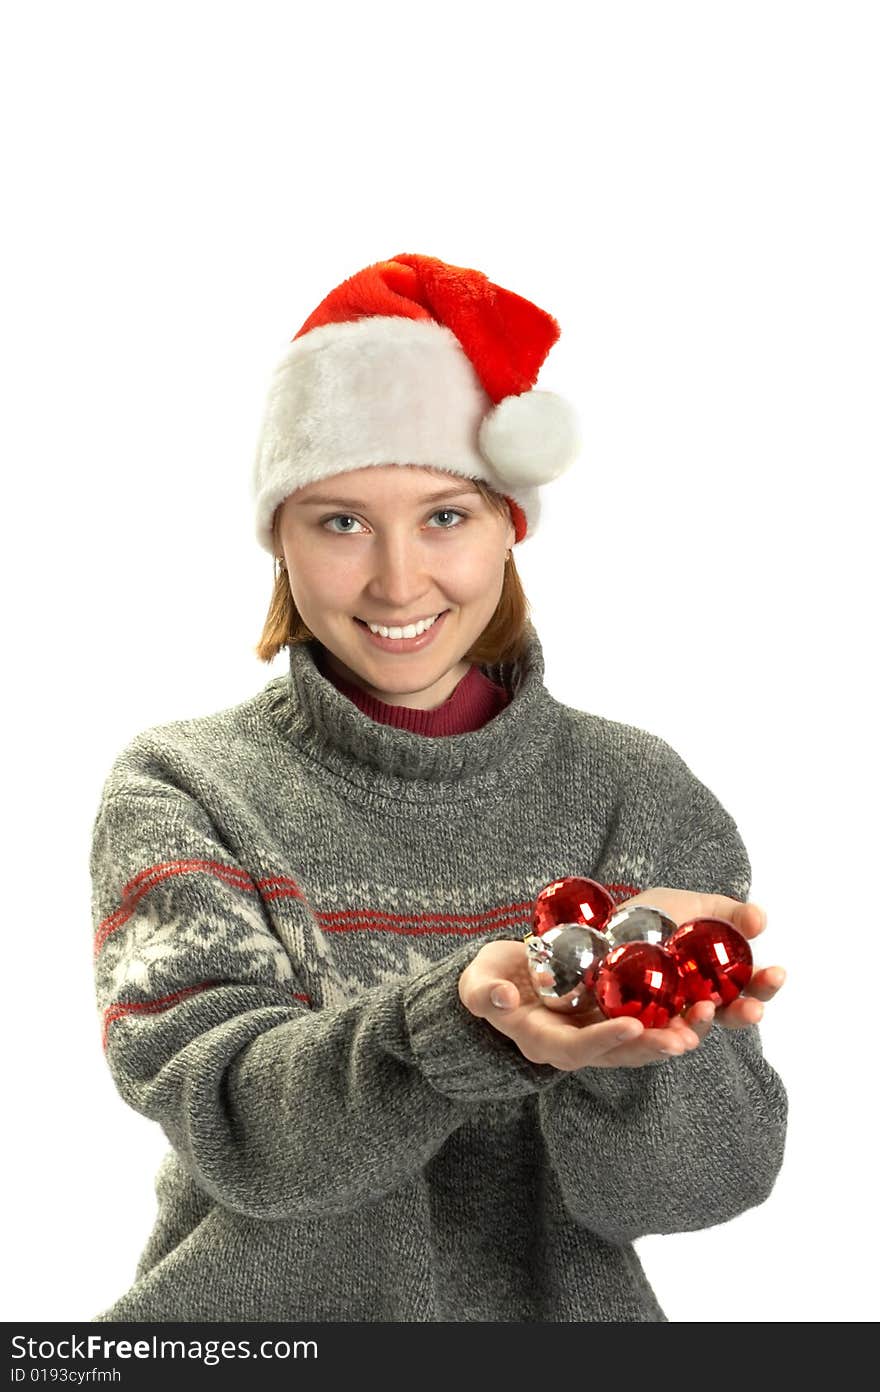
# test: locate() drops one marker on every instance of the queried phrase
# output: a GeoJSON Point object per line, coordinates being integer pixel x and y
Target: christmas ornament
{"type": "Point", "coordinates": [635, 962]}
{"type": "Point", "coordinates": [563, 963]}
{"type": "Point", "coordinates": [714, 960]}
{"type": "Point", "coordinates": [571, 900]}
{"type": "Point", "coordinates": [640, 923]}
{"type": "Point", "coordinates": [640, 979]}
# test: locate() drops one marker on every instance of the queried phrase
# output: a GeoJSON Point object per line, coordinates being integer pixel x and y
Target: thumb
{"type": "Point", "coordinates": [504, 995]}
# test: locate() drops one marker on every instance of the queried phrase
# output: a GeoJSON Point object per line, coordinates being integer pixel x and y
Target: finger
{"type": "Point", "coordinates": [654, 1046]}
{"type": "Point", "coordinates": [765, 982]}
{"type": "Point", "coordinates": [741, 1013]}
{"type": "Point", "coordinates": [577, 1048]}
{"type": "Point", "coordinates": [680, 1036]}
{"type": "Point", "coordinates": [675, 1038]}
{"type": "Point", "coordinates": [750, 919]}
{"type": "Point", "coordinates": [615, 1034]}
{"type": "Point", "coordinates": [699, 1018]}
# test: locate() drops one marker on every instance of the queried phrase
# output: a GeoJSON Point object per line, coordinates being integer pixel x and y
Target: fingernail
{"type": "Point", "coordinates": [498, 998]}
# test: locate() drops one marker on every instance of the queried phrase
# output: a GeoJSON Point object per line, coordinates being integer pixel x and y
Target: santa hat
{"type": "Point", "coordinates": [415, 361]}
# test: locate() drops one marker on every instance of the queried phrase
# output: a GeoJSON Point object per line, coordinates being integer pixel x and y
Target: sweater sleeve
{"type": "Point", "coordinates": [697, 1139]}
{"type": "Point", "coordinates": [276, 1109]}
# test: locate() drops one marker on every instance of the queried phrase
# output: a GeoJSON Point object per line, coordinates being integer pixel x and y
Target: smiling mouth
{"type": "Point", "coordinates": [364, 623]}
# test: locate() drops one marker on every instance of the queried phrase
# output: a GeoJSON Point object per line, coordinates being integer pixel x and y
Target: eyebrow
{"type": "Point", "coordinates": [353, 503]}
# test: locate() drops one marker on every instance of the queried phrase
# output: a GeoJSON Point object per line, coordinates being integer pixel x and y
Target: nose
{"type": "Point", "coordinates": [402, 568]}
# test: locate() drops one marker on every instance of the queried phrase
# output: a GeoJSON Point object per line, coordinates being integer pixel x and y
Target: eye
{"type": "Point", "coordinates": [347, 517]}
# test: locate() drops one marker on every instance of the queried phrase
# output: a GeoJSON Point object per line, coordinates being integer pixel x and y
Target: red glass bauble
{"type": "Point", "coordinates": [714, 960]}
{"type": "Point", "coordinates": [572, 900]}
{"type": "Point", "coordinates": [641, 980]}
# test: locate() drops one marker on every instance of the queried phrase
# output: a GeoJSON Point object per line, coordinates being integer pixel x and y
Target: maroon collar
{"type": "Point", "coordinates": [474, 701]}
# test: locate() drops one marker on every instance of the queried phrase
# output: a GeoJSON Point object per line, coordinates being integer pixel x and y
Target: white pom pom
{"type": "Point", "coordinates": [530, 439]}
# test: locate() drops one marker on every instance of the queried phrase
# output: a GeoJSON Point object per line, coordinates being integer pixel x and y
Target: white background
{"type": "Point", "coordinates": [691, 188]}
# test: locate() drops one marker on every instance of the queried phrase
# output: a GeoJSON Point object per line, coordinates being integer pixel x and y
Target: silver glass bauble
{"type": "Point", "coordinates": [563, 963]}
{"type": "Point", "coordinates": [640, 923]}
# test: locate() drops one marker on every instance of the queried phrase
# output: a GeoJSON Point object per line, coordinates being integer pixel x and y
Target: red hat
{"type": "Point", "coordinates": [415, 361]}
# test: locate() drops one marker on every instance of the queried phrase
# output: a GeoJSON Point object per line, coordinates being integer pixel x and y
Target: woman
{"type": "Point", "coordinates": [310, 907]}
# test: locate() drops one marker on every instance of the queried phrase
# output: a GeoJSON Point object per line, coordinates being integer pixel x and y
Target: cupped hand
{"type": "Point", "coordinates": [496, 986]}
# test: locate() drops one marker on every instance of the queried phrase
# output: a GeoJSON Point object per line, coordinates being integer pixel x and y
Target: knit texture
{"type": "Point", "coordinates": [474, 701]}
{"type": "Point", "coordinates": [285, 894]}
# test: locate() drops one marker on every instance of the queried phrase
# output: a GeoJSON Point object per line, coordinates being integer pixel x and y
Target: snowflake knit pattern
{"type": "Point", "coordinates": [285, 894]}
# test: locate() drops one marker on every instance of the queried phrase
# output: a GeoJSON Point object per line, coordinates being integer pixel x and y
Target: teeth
{"type": "Point", "coordinates": [409, 632]}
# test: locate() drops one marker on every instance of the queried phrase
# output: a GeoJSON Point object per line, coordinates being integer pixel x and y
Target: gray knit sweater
{"type": "Point", "coordinates": [284, 896]}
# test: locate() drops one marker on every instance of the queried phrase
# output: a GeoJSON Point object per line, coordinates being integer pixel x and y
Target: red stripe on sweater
{"type": "Point", "coordinates": [344, 920]}
{"type": "Point", "coordinates": [286, 886]}
{"type": "Point", "coordinates": [625, 891]}
{"type": "Point", "coordinates": [134, 891]}
{"type": "Point", "coordinates": [161, 1003]}
{"type": "Point", "coordinates": [517, 915]}
{"type": "Point", "coordinates": [145, 880]}
{"type": "Point", "coordinates": [175, 866]}
{"type": "Point", "coordinates": [359, 920]}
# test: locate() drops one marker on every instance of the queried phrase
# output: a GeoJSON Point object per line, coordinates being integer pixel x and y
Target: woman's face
{"type": "Point", "coordinates": [386, 550]}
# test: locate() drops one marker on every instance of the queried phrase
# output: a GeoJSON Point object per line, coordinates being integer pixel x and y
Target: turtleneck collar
{"type": "Point", "coordinates": [384, 759]}
{"type": "Point", "coordinates": [474, 700]}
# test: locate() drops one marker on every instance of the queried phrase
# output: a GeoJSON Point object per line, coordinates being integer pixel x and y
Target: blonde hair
{"type": "Point", "coordinates": [502, 640]}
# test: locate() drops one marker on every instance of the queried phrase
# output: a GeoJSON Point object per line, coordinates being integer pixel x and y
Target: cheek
{"type": "Point", "coordinates": [472, 580]}
{"type": "Point", "coordinates": [319, 573]}
{"type": "Point", "coordinates": [482, 574]}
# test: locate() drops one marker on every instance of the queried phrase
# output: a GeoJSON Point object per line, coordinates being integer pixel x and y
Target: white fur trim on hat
{"type": "Point", "coordinates": [378, 390]}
